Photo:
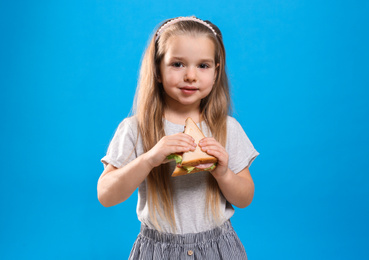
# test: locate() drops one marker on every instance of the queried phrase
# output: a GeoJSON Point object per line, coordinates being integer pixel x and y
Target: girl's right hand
{"type": "Point", "coordinates": [177, 143]}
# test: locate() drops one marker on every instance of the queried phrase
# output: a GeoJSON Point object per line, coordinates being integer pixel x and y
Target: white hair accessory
{"type": "Point", "coordinates": [180, 19]}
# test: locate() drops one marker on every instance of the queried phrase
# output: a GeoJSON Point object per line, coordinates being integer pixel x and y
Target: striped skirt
{"type": "Point", "coordinates": [219, 243]}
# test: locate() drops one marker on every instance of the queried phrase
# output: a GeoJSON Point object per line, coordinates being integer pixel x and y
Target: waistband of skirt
{"type": "Point", "coordinates": [190, 238]}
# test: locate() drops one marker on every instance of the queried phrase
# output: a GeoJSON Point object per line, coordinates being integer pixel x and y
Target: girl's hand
{"type": "Point", "coordinates": [214, 148]}
{"type": "Point", "coordinates": [177, 143]}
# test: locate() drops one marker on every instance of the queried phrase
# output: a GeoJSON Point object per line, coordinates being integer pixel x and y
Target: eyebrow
{"type": "Point", "coordinates": [201, 60]}
{"type": "Point", "coordinates": [208, 60]}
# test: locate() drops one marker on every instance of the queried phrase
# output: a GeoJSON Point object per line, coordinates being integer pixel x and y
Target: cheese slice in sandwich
{"type": "Point", "coordinates": [193, 161]}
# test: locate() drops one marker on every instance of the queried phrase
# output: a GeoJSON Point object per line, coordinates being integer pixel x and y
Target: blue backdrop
{"type": "Point", "coordinates": [299, 75]}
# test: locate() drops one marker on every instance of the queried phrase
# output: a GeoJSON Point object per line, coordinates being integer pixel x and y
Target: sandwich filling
{"type": "Point", "coordinates": [189, 169]}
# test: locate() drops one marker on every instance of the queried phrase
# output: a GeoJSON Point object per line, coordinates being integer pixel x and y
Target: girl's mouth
{"type": "Point", "coordinates": [188, 90]}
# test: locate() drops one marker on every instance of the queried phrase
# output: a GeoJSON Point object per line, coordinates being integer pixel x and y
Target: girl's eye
{"type": "Point", "coordinates": [204, 66]}
{"type": "Point", "coordinates": [177, 64]}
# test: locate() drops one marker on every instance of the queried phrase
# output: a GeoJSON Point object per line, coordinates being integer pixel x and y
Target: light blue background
{"type": "Point", "coordinates": [299, 74]}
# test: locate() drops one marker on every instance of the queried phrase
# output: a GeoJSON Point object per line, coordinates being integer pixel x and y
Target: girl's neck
{"type": "Point", "coordinates": [179, 116]}
{"type": "Point", "coordinates": [178, 113]}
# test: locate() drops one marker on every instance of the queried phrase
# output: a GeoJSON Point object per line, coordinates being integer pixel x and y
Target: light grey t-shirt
{"type": "Point", "coordinates": [189, 191]}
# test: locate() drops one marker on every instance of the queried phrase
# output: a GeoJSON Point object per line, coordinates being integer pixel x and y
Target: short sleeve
{"type": "Point", "coordinates": [239, 147]}
{"type": "Point", "coordinates": [122, 148]}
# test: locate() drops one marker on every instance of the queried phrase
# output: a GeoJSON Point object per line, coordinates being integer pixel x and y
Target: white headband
{"type": "Point", "coordinates": [179, 19]}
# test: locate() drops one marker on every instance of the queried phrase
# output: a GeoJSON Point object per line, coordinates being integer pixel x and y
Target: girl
{"type": "Point", "coordinates": [182, 75]}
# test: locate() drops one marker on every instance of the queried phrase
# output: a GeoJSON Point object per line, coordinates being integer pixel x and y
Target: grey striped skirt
{"type": "Point", "coordinates": [219, 243]}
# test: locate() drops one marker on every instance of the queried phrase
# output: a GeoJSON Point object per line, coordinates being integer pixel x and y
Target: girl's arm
{"type": "Point", "coordinates": [238, 189]}
{"type": "Point", "coordinates": [115, 185]}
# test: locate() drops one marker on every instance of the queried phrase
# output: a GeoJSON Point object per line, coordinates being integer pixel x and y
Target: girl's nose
{"type": "Point", "coordinates": [190, 75]}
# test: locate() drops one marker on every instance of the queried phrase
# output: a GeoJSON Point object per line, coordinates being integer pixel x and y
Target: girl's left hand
{"type": "Point", "coordinates": [214, 148]}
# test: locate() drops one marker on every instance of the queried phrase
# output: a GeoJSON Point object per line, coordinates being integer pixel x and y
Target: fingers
{"type": "Point", "coordinates": [209, 143]}
{"type": "Point", "coordinates": [179, 143]}
{"type": "Point", "coordinates": [212, 147]}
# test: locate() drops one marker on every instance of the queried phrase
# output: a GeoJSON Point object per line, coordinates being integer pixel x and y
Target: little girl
{"type": "Point", "coordinates": [187, 217]}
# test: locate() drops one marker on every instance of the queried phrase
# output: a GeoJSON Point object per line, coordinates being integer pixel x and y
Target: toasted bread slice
{"type": "Point", "coordinates": [193, 158]}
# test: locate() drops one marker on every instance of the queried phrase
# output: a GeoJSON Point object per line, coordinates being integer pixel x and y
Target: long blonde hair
{"type": "Point", "coordinates": [149, 108]}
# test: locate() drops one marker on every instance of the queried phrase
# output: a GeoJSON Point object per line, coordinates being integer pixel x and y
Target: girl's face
{"type": "Point", "coordinates": [188, 70]}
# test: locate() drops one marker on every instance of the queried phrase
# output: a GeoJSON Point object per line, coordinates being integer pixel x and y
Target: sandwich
{"type": "Point", "coordinates": [193, 161]}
